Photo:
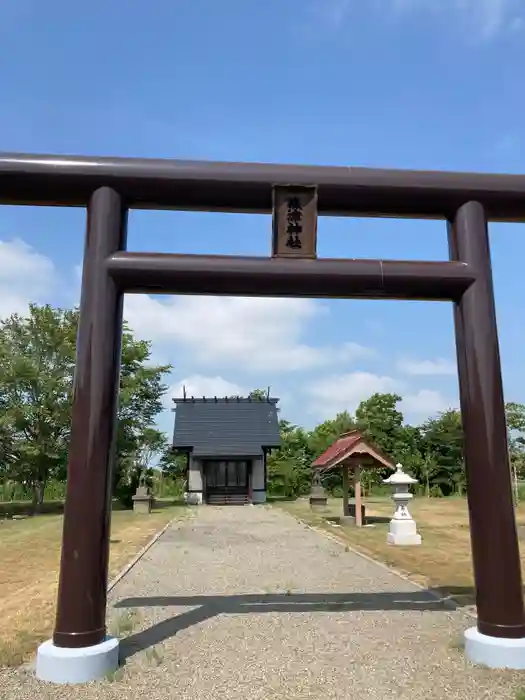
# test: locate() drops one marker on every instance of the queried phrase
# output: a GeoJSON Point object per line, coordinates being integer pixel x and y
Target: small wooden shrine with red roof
{"type": "Point", "coordinates": [352, 452]}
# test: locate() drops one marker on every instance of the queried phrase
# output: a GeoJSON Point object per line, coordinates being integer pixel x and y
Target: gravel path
{"type": "Point", "coordinates": [248, 604]}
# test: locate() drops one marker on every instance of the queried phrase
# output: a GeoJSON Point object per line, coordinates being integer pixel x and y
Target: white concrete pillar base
{"type": "Point", "coordinates": [403, 532]}
{"type": "Point", "coordinates": [494, 652]}
{"type": "Point", "coordinates": [59, 665]}
{"type": "Point", "coordinates": [258, 496]}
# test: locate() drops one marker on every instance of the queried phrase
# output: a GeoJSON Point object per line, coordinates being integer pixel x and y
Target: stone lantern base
{"type": "Point", "coordinates": [142, 504]}
{"type": "Point", "coordinates": [142, 501]}
{"type": "Point", "coordinates": [403, 532]}
{"type": "Point", "coordinates": [318, 502]}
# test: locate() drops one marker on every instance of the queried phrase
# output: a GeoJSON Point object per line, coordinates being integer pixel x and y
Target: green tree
{"type": "Point", "coordinates": [431, 452]}
{"type": "Point", "coordinates": [289, 467]}
{"type": "Point", "coordinates": [515, 414]}
{"type": "Point", "coordinates": [326, 433]}
{"type": "Point", "coordinates": [320, 439]}
{"type": "Point", "coordinates": [149, 444]}
{"type": "Point", "coordinates": [382, 423]}
{"type": "Point", "coordinates": [140, 402]}
{"type": "Point", "coordinates": [37, 361]}
{"type": "Point", "coordinates": [443, 452]}
{"type": "Point", "coordinates": [427, 471]}
{"type": "Point", "coordinates": [173, 466]}
{"type": "Point", "coordinates": [259, 394]}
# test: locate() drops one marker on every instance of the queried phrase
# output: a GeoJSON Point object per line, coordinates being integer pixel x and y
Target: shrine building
{"type": "Point", "coordinates": [226, 441]}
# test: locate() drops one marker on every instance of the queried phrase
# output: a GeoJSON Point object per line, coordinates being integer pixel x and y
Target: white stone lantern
{"type": "Point", "coordinates": [402, 528]}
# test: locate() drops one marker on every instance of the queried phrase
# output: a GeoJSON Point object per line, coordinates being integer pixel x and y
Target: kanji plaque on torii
{"type": "Point", "coordinates": [294, 222]}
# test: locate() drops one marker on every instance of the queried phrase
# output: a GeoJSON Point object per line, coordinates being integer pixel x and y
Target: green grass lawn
{"type": "Point", "coordinates": [30, 555]}
{"type": "Point", "coordinates": [443, 560]}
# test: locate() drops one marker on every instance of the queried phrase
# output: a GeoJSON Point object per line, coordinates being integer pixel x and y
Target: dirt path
{"type": "Point", "coordinates": [246, 603]}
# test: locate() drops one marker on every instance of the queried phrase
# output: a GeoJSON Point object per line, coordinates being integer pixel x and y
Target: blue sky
{"type": "Point", "coordinates": [430, 84]}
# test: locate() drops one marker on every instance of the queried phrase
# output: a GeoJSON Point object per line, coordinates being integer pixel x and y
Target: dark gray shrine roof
{"type": "Point", "coordinates": [233, 427]}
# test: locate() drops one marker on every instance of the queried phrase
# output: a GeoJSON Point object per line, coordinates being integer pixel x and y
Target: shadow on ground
{"type": "Point", "coordinates": [10, 509]}
{"type": "Point", "coordinates": [377, 519]}
{"type": "Point", "coordinates": [369, 520]}
{"type": "Point", "coordinates": [206, 607]}
{"type": "Point", "coordinates": [463, 596]}
{"type": "Point", "coordinates": [158, 503]}
{"type": "Point", "coordinates": [281, 499]}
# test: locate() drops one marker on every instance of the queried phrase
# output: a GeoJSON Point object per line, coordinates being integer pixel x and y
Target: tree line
{"type": "Point", "coordinates": [431, 452]}
{"type": "Point", "coordinates": [37, 361]}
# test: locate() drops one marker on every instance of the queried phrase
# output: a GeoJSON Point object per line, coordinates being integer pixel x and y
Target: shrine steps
{"type": "Point", "coordinates": [228, 499]}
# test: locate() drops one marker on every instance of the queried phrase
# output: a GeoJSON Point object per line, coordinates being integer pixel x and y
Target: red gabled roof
{"type": "Point", "coordinates": [345, 446]}
{"type": "Point", "coordinates": [345, 441]}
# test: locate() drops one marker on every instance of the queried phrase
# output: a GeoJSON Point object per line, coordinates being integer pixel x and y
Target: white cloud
{"type": "Point", "coordinates": [25, 276]}
{"type": "Point", "coordinates": [343, 392]}
{"type": "Point", "coordinates": [484, 18]}
{"type": "Point", "coordinates": [492, 16]}
{"type": "Point", "coordinates": [335, 393]}
{"type": "Point", "coordinates": [439, 367]}
{"type": "Point", "coordinates": [197, 385]}
{"type": "Point", "coordinates": [259, 334]}
{"type": "Point", "coordinates": [353, 351]}
{"type": "Point", "coordinates": [424, 403]}
{"type": "Point", "coordinates": [334, 12]}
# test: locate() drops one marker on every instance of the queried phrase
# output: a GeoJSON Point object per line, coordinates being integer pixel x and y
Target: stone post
{"type": "Point", "coordinates": [318, 498]}
{"type": "Point", "coordinates": [142, 500]}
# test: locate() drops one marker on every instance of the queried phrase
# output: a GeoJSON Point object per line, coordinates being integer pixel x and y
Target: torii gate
{"type": "Point", "coordinates": [81, 649]}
